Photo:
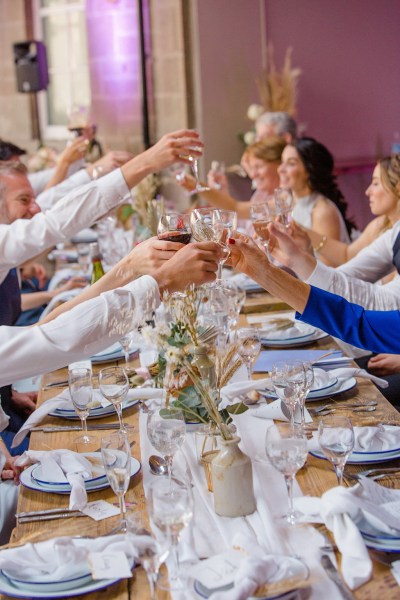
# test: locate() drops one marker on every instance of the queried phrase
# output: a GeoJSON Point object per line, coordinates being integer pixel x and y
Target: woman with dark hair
{"type": "Point", "coordinates": [307, 169]}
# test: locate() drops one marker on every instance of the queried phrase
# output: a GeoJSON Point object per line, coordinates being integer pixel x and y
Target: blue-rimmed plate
{"type": "Point", "coordinates": [94, 413]}
{"type": "Point", "coordinates": [294, 342]}
{"type": "Point", "coordinates": [356, 458]}
{"type": "Point", "coordinates": [98, 472]}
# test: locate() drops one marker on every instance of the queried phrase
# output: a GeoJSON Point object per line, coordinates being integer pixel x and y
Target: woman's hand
{"type": "Point", "coordinates": [384, 364]}
{"type": "Point", "coordinates": [285, 250]}
{"type": "Point", "coordinates": [246, 256]}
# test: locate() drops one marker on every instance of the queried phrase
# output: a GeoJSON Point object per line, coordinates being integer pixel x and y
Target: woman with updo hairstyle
{"type": "Point", "coordinates": [307, 169]}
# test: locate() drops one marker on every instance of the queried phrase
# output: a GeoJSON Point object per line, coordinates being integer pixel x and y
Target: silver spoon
{"type": "Point", "coordinates": [158, 465]}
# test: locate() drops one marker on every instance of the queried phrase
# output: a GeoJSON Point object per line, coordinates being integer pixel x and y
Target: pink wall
{"type": "Point", "coordinates": [349, 53]}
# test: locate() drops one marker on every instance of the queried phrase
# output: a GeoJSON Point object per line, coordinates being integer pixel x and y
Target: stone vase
{"type": "Point", "coordinates": [232, 480]}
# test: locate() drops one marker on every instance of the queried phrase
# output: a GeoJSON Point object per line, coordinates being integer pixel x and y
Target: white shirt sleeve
{"type": "Point", "coordinates": [25, 238]}
{"type": "Point", "coordinates": [39, 179]}
{"type": "Point", "coordinates": [355, 280]}
{"type": "Point", "coordinates": [49, 197]}
{"type": "Point", "coordinates": [78, 333]}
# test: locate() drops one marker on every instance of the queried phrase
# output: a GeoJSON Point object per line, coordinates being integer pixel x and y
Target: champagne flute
{"type": "Point", "coordinates": [114, 385]}
{"type": "Point", "coordinates": [205, 227]}
{"type": "Point", "coordinates": [288, 379]}
{"type": "Point", "coordinates": [284, 203]}
{"type": "Point", "coordinates": [286, 448]}
{"type": "Point", "coordinates": [170, 507]}
{"type": "Point", "coordinates": [249, 346]}
{"type": "Point", "coordinates": [166, 431]}
{"type": "Point", "coordinates": [336, 438]}
{"type": "Point", "coordinates": [261, 216]}
{"type": "Point", "coordinates": [116, 456]}
{"type": "Point", "coordinates": [194, 163]}
{"type": "Point", "coordinates": [81, 390]}
{"type": "Point", "coordinates": [227, 221]}
{"type": "Point", "coordinates": [308, 383]}
{"type": "Point", "coordinates": [174, 227]}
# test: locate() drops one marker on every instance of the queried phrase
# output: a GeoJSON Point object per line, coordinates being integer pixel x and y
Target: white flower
{"type": "Point", "coordinates": [249, 137]}
{"type": "Point", "coordinates": [254, 111]}
{"type": "Point", "coordinates": [174, 354]}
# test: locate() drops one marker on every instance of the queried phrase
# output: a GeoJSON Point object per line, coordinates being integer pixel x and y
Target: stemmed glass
{"type": "Point", "coordinates": [166, 431]}
{"type": "Point", "coordinates": [116, 455]}
{"type": "Point", "coordinates": [84, 260]}
{"type": "Point", "coordinates": [80, 389]}
{"type": "Point", "coordinates": [288, 379]}
{"type": "Point", "coordinates": [205, 226]}
{"type": "Point", "coordinates": [170, 507]}
{"type": "Point", "coordinates": [114, 385]}
{"type": "Point", "coordinates": [336, 438]}
{"type": "Point", "coordinates": [308, 383]}
{"type": "Point", "coordinates": [284, 203]}
{"type": "Point", "coordinates": [261, 216]}
{"type": "Point", "coordinates": [174, 227]}
{"type": "Point", "coordinates": [249, 346]}
{"type": "Point", "coordinates": [194, 163]}
{"type": "Point", "coordinates": [126, 342]}
{"type": "Point", "coordinates": [286, 448]}
{"type": "Point", "coordinates": [236, 297]}
{"type": "Point", "coordinates": [152, 551]}
{"type": "Point", "coordinates": [228, 218]}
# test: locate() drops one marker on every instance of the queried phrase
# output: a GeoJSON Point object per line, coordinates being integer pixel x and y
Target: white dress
{"type": "Point", "coordinates": [303, 209]}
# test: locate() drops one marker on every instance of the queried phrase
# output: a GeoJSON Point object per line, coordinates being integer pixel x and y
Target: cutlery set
{"type": "Point", "coordinates": [92, 427]}
{"type": "Point", "coordinates": [47, 515]}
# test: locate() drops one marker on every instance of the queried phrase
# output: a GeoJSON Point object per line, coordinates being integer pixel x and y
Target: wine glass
{"type": "Point", "coordinates": [114, 385]}
{"type": "Point", "coordinates": [261, 216]}
{"type": "Point", "coordinates": [152, 550]}
{"type": "Point", "coordinates": [284, 203]}
{"type": "Point", "coordinates": [336, 438]}
{"type": "Point", "coordinates": [249, 346]}
{"type": "Point", "coordinates": [174, 227]}
{"type": "Point", "coordinates": [286, 448]}
{"type": "Point", "coordinates": [116, 456]}
{"type": "Point", "coordinates": [80, 389]}
{"type": "Point", "coordinates": [236, 297]}
{"type": "Point", "coordinates": [166, 431]}
{"type": "Point", "coordinates": [170, 507]}
{"type": "Point", "coordinates": [228, 220]}
{"type": "Point", "coordinates": [308, 383]}
{"type": "Point", "coordinates": [205, 226]}
{"type": "Point", "coordinates": [288, 379]}
{"type": "Point", "coordinates": [194, 163]}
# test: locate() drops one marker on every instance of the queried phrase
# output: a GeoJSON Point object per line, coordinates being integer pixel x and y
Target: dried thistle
{"type": "Point", "coordinates": [278, 90]}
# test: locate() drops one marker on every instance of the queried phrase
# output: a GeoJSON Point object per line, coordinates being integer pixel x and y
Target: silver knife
{"type": "Point", "coordinates": [45, 511]}
{"type": "Point", "coordinates": [333, 574]}
{"type": "Point", "coordinates": [51, 428]}
{"type": "Point", "coordinates": [59, 515]}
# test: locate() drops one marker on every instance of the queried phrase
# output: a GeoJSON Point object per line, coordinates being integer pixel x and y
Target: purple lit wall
{"type": "Point", "coordinates": [113, 44]}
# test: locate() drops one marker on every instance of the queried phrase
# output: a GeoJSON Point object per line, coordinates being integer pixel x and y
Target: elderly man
{"type": "Point", "coordinates": [279, 124]}
{"type": "Point", "coordinates": [25, 231]}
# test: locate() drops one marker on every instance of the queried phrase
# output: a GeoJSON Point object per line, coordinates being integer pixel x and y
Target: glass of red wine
{"type": "Point", "coordinates": [174, 227]}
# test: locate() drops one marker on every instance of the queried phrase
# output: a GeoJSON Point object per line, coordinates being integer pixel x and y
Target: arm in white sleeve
{"type": "Point", "coordinates": [26, 238]}
{"type": "Point", "coordinates": [368, 295]}
{"type": "Point", "coordinates": [39, 179]}
{"type": "Point", "coordinates": [78, 333]}
{"type": "Point", "coordinates": [48, 198]}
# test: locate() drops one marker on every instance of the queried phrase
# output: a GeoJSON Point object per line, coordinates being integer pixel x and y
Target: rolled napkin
{"type": "Point", "coordinates": [62, 466]}
{"type": "Point", "coordinates": [63, 401]}
{"type": "Point", "coordinates": [230, 392]}
{"type": "Point", "coordinates": [346, 373]}
{"type": "Point", "coordinates": [367, 439]}
{"type": "Point", "coordinates": [338, 510]}
{"type": "Point", "coordinates": [252, 573]}
{"type": "Point", "coordinates": [278, 411]}
{"type": "Point", "coordinates": [65, 558]}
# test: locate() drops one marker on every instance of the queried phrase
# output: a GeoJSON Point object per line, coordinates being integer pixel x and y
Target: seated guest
{"type": "Point", "coordinates": [384, 199]}
{"type": "Point", "coordinates": [279, 124]}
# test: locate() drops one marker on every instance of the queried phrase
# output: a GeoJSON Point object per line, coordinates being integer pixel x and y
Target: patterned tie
{"type": "Point", "coordinates": [396, 253]}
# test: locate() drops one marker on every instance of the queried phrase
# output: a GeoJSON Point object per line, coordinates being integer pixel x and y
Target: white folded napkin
{"type": "Point", "coordinates": [62, 466]}
{"type": "Point", "coordinates": [296, 330]}
{"type": "Point", "coordinates": [252, 573]}
{"type": "Point", "coordinates": [346, 373]}
{"type": "Point", "coordinates": [65, 558]}
{"type": "Point", "coordinates": [368, 439]}
{"type": "Point", "coordinates": [63, 401]}
{"type": "Point", "coordinates": [338, 510]}
{"type": "Point", "coordinates": [278, 411]}
{"type": "Point", "coordinates": [230, 392]}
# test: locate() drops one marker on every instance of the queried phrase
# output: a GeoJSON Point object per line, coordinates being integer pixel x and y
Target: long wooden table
{"type": "Point", "coordinates": [315, 478]}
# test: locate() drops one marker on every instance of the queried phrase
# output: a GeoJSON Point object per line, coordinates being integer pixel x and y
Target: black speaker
{"type": "Point", "coordinates": [30, 61]}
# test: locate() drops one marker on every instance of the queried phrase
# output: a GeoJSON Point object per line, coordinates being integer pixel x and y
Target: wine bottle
{"type": "Point", "coordinates": [98, 270]}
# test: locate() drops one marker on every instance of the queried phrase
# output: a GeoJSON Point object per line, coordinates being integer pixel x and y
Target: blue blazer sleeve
{"type": "Point", "coordinates": [378, 331]}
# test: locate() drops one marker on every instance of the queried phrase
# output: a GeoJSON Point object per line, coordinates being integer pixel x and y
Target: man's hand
{"type": "Point", "coordinates": [174, 147]}
{"type": "Point", "coordinates": [195, 263]}
{"type": "Point", "coordinates": [25, 402]}
{"type": "Point", "coordinates": [384, 364]}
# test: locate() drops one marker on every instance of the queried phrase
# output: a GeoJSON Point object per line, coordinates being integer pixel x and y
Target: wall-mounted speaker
{"type": "Point", "coordinates": [30, 61]}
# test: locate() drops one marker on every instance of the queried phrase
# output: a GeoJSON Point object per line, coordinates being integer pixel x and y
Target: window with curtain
{"type": "Point", "coordinates": [62, 27]}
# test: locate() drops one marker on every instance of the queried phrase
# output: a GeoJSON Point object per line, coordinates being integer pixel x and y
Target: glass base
{"type": "Point", "coordinates": [290, 518]}
{"type": "Point", "coordinates": [86, 443]}
{"type": "Point", "coordinates": [171, 584]}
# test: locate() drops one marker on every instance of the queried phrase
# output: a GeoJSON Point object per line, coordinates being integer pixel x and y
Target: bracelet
{"type": "Point", "coordinates": [321, 244]}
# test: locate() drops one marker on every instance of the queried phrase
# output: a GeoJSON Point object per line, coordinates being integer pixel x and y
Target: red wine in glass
{"type": "Point", "coordinates": [174, 227]}
{"type": "Point", "coordinates": [175, 236]}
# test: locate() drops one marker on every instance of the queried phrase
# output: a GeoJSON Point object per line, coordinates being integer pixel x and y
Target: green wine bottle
{"type": "Point", "coordinates": [98, 270]}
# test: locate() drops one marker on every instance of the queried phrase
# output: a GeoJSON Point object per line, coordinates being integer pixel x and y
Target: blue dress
{"type": "Point", "coordinates": [378, 331]}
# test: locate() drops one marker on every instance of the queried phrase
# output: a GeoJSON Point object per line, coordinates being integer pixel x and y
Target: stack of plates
{"type": "Point", "coordinates": [114, 352]}
{"type": "Point", "coordinates": [94, 413]}
{"type": "Point", "coordinates": [356, 458]}
{"type": "Point", "coordinates": [34, 479]}
{"type": "Point", "coordinates": [299, 334]}
{"type": "Point", "coordinates": [330, 388]}
{"type": "Point", "coordinates": [377, 539]}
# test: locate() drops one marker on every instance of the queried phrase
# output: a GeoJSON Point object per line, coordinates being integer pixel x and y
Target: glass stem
{"type": "Point", "coordinates": [169, 460]}
{"type": "Point", "coordinates": [122, 509]}
{"type": "Point", "coordinates": [152, 578]}
{"type": "Point", "coordinates": [195, 171]}
{"type": "Point", "coordinates": [249, 370]}
{"type": "Point", "coordinates": [339, 468]}
{"type": "Point", "coordinates": [302, 415]}
{"type": "Point", "coordinates": [289, 486]}
{"type": "Point", "coordinates": [84, 426]}
{"type": "Point", "coordinates": [175, 559]}
{"type": "Point", "coordinates": [118, 409]}
{"type": "Point", "coordinates": [219, 272]}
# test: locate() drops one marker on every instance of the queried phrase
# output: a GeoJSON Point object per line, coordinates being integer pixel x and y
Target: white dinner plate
{"type": "Point", "coordinates": [114, 352]}
{"type": "Point", "coordinates": [341, 385]}
{"type": "Point", "coordinates": [6, 587]}
{"type": "Point", "coordinates": [295, 342]}
{"type": "Point", "coordinates": [98, 472]}
{"type": "Point", "coordinates": [294, 332]}
{"type": "Point", "coordinates": [27, 481]}
{"type": "Point", "coordinates": [356, 458]}
{"type": "Point", "coordinates": [94, 413]}
{"type": "Point", "coordinates": [302, 573]}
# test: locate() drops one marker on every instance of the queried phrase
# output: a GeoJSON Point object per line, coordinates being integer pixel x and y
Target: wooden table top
{"type": "Point", "coordinates": [315, 478]}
